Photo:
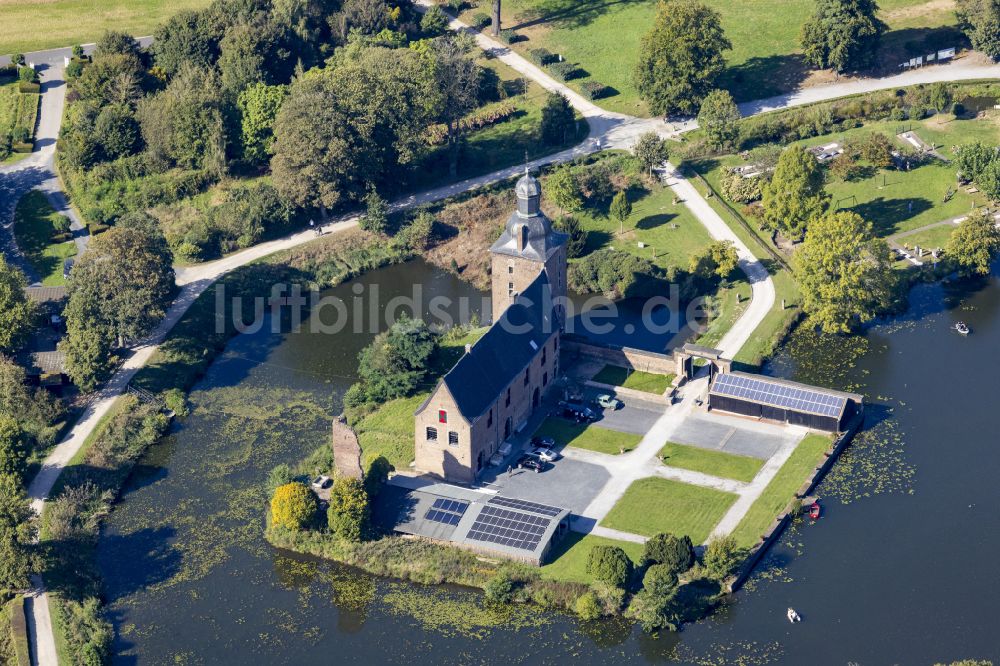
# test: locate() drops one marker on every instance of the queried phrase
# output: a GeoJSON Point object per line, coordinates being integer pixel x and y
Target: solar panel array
{"type": "Point", "coordinates": [446, 511]}
{"type": "Point", "coordinates": [525, 505]}
{"type": "Point", "coordinates": [508, 528]}
{"type": "Point", "coordinates": [779, 395]}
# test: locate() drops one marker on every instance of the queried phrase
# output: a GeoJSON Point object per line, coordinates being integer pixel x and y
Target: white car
{"type": "Point", "coordinates": [322, 482]}
{"type": "Point", "coordinates": [545, 454]}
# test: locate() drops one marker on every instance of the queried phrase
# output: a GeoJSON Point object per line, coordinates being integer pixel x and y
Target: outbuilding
{"type": "Point", "coordinates": [782, 400]}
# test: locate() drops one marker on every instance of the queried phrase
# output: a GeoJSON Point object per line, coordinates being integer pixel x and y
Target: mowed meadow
{"type": "Point", "coordinates": [34, 25]}
{"type": "Point", "coordinates": [603, 38]}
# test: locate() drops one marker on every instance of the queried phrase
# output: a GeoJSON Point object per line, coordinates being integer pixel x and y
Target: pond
{"type": "Point", "coordinates": [900, 569]}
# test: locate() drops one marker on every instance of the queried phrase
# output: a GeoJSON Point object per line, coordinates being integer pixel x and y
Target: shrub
{"type": "Point", "coordinates": [594, 90]}
{"type": "Point", "coordinates": [348, 512]}
{"type": "Point", "coordinates": [722, 557]}
{"type": "Point", "coordinates": [418, 233]}
{"type": "Point", "coordinates": [897, 114]}
{"type": "Point", "coordinates": [376, 215]}
{"type": "Point", "coordinates": [500, 589]}
{"type": "Point", "coordinates": [659, 579]}
{"type": "Point", "coordinates": [176, 401]}
{"type": "Point", "coordinates": [741, 190]}
{"type": "Point", "coordinates": [293, 506]}
{"type": "Point", "coordinates": [587, 607]}
{"type": "Point", "coordinates": [20, 135]}
{"type": "Point", "coordinates": [609, 564]}
{"type": "Point", "coordinates": [613, 273]}
{"type": "Point", "coordinates": [27, 75]}
{"type": "Point", "coordinates": [481, 20]}
{"type": "Point", "coordinates": [509, 36]}
{"type": "Point", "coordinates": [577, 242]}
{"type": "Point", "coordinates": [74, 69]}
{"type": "Point", "coordinates": [281, 475]}
{"type": "Point", "coordinates": [434, 21]}
{"type": "Point", "coordinates": [455, 6]}
{"type": "Point", "coordinates": [564, 71]}
{"type": "Point", "coordinates": [541, 56]}
{"type": "Point", "coordinates": [675, 552]}
{"type": "Point", "coordinates": [958, 109]}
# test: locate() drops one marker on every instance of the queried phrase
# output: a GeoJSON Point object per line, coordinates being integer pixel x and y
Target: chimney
{"type": "Point", "coordinates": [468, 348]}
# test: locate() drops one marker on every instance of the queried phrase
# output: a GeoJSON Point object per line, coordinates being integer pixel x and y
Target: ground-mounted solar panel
{"type": "Point", "coordinates": [778, 395]}
{"type": "Point", "coordinates": [525, 505]}
{"type": "Point", "coordinates": [506, 527]}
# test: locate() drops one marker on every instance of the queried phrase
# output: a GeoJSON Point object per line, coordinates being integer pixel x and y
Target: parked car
{"type": "Point", "coordinates": [528, 461]}
{"type": "Point", "coordinates": [609, 402]}
{"type": "Point", "coordinates": [545, 454]}
{"type": "Point", "coordinates": [322, 482]}
{"type": "Point", "coordinates": [577, 412]}
{"type": "Point", "coordinates": [542, 442]}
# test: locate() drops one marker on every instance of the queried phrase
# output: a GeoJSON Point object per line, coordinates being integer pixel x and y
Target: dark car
{"type": "Point", "coordinates": [542, 443]}
{"type": "Point", "coordinates": [578, 413]}
{"type": "Point", "coordinates": [530, 462]}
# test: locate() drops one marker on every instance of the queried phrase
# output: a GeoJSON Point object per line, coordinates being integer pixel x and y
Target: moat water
{"type": "Point", "coordinates": [900, 569]}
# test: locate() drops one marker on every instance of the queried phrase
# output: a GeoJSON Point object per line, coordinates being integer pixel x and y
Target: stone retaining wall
{"type": "Point", "coordinates": [628, 357]}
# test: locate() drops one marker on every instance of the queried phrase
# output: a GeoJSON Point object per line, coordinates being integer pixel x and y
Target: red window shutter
{"type": "Point", "coordinates": [442, 416]}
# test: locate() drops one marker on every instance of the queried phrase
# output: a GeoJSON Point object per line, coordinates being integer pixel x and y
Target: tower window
{"type": "Point", "coordinates": [543, 355]}
{"type": "Point", "coordinates": [510, 288]}
{"type": "Point", "coordinates": [527, 376]}
{"type": "Point", "coordinates": [432, 434]}
{"type": "Point", "coordinates": [489, 419]}
{"type": "Point", "coordinates": [545, 379]}
{"type": "Point", "coordinates": [507, 403]}
{"type": "Point", "coordinates": [452, 438]}
{"type": "Point", "coordinates": [510, 269]}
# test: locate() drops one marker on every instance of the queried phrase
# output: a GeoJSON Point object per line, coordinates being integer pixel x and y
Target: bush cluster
{"type": "Point", "coordinates": [564, 71]}
{"type": "Point", "coordinates": [594, 90]}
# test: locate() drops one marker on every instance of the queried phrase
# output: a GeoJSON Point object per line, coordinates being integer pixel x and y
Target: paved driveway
{"type": "Point", "coordinates": [637, 416]}
{"type": "Point", "coordinates": [569, 484]}
{"type": "Point", "coordinates": [732, 435]}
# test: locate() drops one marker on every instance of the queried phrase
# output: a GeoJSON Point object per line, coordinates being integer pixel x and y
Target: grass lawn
{"type": "Point", "coordinates": [35, 224]}
{"type": "Point", "coordinates": [583, 436]}
{"type": "Point", "coordinates": [615, 375]}
{"type": "Point", "coordinates": [807, 455]}
{"type": "Point", "coordinates": [568, 561]}
{"type": "Point", "coordinates": [655, 505]}
{"type": "Point", "coordinates": [727, 309]}
{"type": "Point", "coordinates": [716, 463]}
{"type": "Point", "coordinates": [604, 39]}
{"type": "Point", "coordinates": [33, 26]}
{"type": "Point", "coordinates": [929, 238]}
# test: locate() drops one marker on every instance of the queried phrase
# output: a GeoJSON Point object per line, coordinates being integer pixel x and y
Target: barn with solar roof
{"type": "Point", "coordinates": [782, 400]}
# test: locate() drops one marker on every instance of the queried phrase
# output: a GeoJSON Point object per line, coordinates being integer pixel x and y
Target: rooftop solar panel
{"type": "Point", "coordinates": [454, 506]}
{"type": "Point", "coordinates": [525, 505]}
{"type": "Point", "coordinates": [779, 395]}
{"type": "Point", "coordinates": [508, 528]}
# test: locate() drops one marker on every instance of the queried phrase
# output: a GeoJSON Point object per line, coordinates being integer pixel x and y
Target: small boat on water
{"type": "Point", "coordinates": [793, 617]}
{"type": "Point", "coordinates": [962, 328]}
{"type": "Point", "coordinates": [814, 510]}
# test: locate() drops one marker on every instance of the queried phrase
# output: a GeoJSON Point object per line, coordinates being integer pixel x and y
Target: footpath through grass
{"type": "Point", "coordinates": [584, 436]}
{"type": "Point", "coordinates": [777, 495]}
{"type": "Point", "coordinates": [568, 561]}
{"type": "Point", "coordinates": [42, 235]}
{"type": "Point", "coordinates": [655, 505]}
{"type": "Point", "coordinates": [706, 461]}
{"type": "Point", "coordinates": [616, 375]}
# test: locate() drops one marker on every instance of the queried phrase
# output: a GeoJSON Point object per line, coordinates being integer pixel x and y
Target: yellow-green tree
{"type": "Point", "coordinates": [795, 194]}
{"type": "Point", "coordinates": [348, 513]}
{"type": "Point", "coordinates": [974, 245]}
{"type": "Point", "coordinates": [293, 506]}
{"type": "Point", "coordinates": [844, 271]}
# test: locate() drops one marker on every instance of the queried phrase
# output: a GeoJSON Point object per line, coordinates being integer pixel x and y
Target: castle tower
{"type": "Point", "coordinates": [527, 247]}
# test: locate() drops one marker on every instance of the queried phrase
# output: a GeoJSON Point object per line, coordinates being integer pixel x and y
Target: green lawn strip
{"type": "Point", "coordinates": [36, 223]}
{"type": "Point", "coordinates": [935, 237]}
{"type": "Point", "coordinates": [716, 463]}
{"type": "Point", "coordinates": [616, 375]}
{"type": "Point", "coordinates": [655, 505]}
{"type": "Point", "coordinates": [568, 560]}
{"type": "Point", "coordinates": [65, 22]}
{"type": "Point", "coordinates": [59, 629]}
{"type": "Point", "coordinates": [584, 436]}
{"type": "Point", "coordinates": [780, 491]}
{"type": "Point", "coordinates": [726, 311]}
{"type": "Point", "coordinates": [604, 39]}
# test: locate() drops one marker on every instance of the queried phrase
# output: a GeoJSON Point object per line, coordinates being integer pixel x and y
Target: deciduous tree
{"type": "Point", "coordinates": [15, 534]}
{"type": "Point", "coordinates": [842, 34]}
{"type": "Point", "coordinates": [348, 512]}
{"type": "Point", "coordinates": [844, 271]}
{"type": "Point", "coordinates": [116, 41]}
{"type": "Point", "coordinates": [558, 120]}
{"type": "Point", "coordinates": [396, 361]}
{"type": "Point", "coordinates": [795, 194]}
{"type": "Point", "coordinates": [980, 21]}
{"type": "Point", "coordinates": [973, 158]}
{"type": "Point", "coordinates": [651, 151]}
{"type": "Point", "coordinates": [259, 105]}
{"type": "Point", "coordinates": [609, 564]}
{"type": "Point", "coordinates": [563, 190]}
{"type": "Point", "coordinates": [719, 118]}
{"type": "Point", "coordinates": [577, 242]}
{"type": "Point", "coordinates": [620, 209]}
{"type": "Point", "coordinates": [676, 553]}
{"type": "Point", "coordinates": [975, 244]}
{"type": "Point", "coordinates": [681, 57]}
{"type": "Point", "coordinates": [293, 506]}
{"type": "Point", "coordinates": [16, 311]}
{"type": "Point", "coordinates": [188, 38]}
{"type": "Point", "coordinates": [722, 556]}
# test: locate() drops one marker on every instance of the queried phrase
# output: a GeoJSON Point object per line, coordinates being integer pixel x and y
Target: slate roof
{"type": "Point", "coordinates": [45, 294]}
{"type": "Point", "coordinates": [542, 241]}
{"type": "Point", "coordinates": [497, 358]}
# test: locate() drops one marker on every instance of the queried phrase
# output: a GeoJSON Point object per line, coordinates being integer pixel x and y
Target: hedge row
{"type": "Point", "coordinates": [19, 631]}
{"type": "Point", "coordinates": [564, 71]}
{"type": "Point", "coordinates": [594, 90]}
{"type": "Point", "coordinates": [541, 56]}
{"type": "Point", "coordinates": [484, 117]}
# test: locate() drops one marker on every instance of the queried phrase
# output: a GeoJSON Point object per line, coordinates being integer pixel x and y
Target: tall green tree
{"type": "Point", "coordinates": [975, 244]}
{"type": "Point", "coordinates": [12, 453]}
{"type": "Point", "coordinates": [795, 194]}
{"type": "Point", "coordinates": [940, 96]}
{"type": "Point", "coordinates": [719, 118]}
{"type": "Point", "coordinates": [188, 38]}
{"type": "Point", "coordinates": [681, 57]}
{"type": "Point", "coordinates": [620, 209]}
{"type": "Point", "coordinates": [16, 311]}
{"type": "Point", "coordinates": [396, 361]}
{"type": "Point", "coordinates": [842, 34]}
{"type": "Point", "coordinates": [347, 516]}
{"type": "Point", "coordinates": [558, 120]}
{"type": "Point", "coordinates": [577, 242]}
{"type": "Point", "coordinates": [259, 105]}
{"type": "Point", "coordinates": [650, 151]}
{"type": "Point", "coordinates": [252, 53]}
{"type": "Point", "coordinates": [119, 291]}
{"type": "Point", "coordinates": [15, 534]}
{"type": "Point", "coordinates": [844, 271]}
{"type": "Point", "coordinates": [456, 89]}
{"type": "Point", "coordinates": [973, 158]}
{"type": "Point", "coordinates": [116, 41]}
{"type": "Point", "coordinates": [563, 190]}
{"type": "Point", "coordinates": [35, 410]}
{"type": "Point", "coordinates": [980, 21]}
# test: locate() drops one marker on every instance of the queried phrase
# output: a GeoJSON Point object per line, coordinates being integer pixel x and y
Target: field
{"type": "Point", "coordinates": [38, 228]}
{"type": "Point", "coordinates": [34, 25]}
{"type": "Point", "coordinates": [583, 436]}
{"type": "Point", "coordinates": [569, 559]}
{"type": "Point", "coordinates": [604, 38]}
{"type": "Point", "coordinates": [637, 380]}
{"type": "Point", "coordinates": [706, 461]}
{"type": "Point", "coordinates": [655, 505]}
{"type": "Point", "coordinates": [779, 492]}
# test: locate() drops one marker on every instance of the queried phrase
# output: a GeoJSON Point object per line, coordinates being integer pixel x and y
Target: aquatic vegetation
{"type": "Point", "coordinates": [874, 464]}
